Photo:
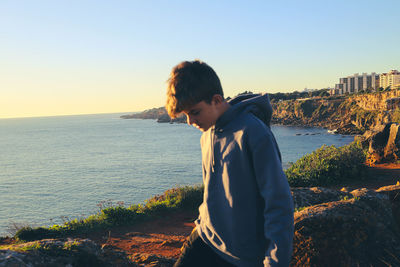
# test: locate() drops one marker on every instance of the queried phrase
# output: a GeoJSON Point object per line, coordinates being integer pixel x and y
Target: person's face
{"type": "Point", "coordinates": [202, 115]}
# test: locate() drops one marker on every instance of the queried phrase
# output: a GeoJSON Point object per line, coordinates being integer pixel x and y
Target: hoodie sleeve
{"type": "Point", "coordinates": [274, 189]}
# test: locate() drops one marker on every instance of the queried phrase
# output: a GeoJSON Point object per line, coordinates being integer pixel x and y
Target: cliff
{"type": "Point", "coordinates": [159, 114]}
{"type": "Point", "coordinates": [346, 115]}
{"type": "Point", "coordinates": [342, 114]}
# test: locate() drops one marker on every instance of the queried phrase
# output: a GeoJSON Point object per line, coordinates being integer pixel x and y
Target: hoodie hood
{"type": "Point", "coordinates": [257, 104]}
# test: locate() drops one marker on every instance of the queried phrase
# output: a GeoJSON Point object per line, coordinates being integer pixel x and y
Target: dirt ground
{"type": "Point", "coordinates": [165, 236]}
{"type": "Point", "coordinates": [377, 176]}
{"type": "Point", "coordinates": [162, 236]}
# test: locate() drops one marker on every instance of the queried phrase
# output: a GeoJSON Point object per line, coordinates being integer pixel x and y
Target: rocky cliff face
{"type": "Point", "coordinates": [160, 114]}
{"type": "Point", "coordinates": [384, 145]}
{"type": "Point", "coordinates": [346, 115]}
{"type": "Point", "coordinates": [379, 101]}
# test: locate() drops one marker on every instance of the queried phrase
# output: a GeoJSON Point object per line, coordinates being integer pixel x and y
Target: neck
{"type": "Point", "coordinates": [224, 107]}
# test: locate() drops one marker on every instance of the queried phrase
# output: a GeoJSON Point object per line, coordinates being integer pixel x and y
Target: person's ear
{"type": "Point", "coordinates": [218, 99]}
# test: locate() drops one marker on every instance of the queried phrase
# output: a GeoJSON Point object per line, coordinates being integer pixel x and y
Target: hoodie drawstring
{"type": "Point", "coordinates": [212, 148]}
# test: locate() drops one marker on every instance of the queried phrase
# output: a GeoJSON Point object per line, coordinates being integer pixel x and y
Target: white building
{"type": "Point", "coordinates": [390, 79]}
{"type": "Point", "coordinates": [356, 83]}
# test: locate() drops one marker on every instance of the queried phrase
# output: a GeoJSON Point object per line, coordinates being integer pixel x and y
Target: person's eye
{"type": "Point", "coordinates": [196, 112]}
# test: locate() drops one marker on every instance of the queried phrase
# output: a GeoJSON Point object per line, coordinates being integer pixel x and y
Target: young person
{"type": "Point", "coordinates": [246, 218]}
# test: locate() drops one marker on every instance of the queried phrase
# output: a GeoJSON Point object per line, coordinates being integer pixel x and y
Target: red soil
{"type": "Point", "coordinates": [377, 176]}
{"type": "Point", "coordinates": [162, 236]}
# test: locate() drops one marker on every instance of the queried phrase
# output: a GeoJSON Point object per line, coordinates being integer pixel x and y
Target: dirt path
{"type": "Point", "coordinates": [377, 176]}
{"type": "Point", "coordinates": [162, 236]}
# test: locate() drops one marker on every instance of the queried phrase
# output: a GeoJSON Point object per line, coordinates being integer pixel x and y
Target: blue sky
{"type": "Point", "coordinates": [79, 57]}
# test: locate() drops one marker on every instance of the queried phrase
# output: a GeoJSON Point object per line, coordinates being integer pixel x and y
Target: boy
{"type": "Point", "coordinates": [246, 218]}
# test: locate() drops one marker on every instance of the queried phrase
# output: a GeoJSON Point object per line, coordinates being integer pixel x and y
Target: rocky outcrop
{"type": "Point", "coordinates": [153, 113]}
{"type": "Point", "coordinates": [343, 114]}
{"type": "Point", "coordinates": [151, 260]}
{"type": "Point", "coordinates": [62, 252]}
{"type": "Point", "coordinates": [378, 101]}
{"type": "Point", "coordinates": [346, 115]}
{"type": "Point", "coordinates": [384, 145]}
{"type": "Point", "coordinates": [357, 231]}
{"type": "Point", "coordinates": [310, 196]}
{"type": "Point", "coordinates": [159, 114]}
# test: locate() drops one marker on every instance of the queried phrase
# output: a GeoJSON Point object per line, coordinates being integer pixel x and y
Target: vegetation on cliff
{"type": "Point", "coordinates": [328, 165]}
{"type": "Point", "coordinates": [187, 198]}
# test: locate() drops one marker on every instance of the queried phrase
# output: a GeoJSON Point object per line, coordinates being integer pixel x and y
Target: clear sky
{"type": "Point", "coordinates": [83, 57]}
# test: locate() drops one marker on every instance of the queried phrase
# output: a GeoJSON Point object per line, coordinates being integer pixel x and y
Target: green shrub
{"type": "Point", "coordinates": [28, 233]}
{"type": "Point", "coordinates": [328, 165]}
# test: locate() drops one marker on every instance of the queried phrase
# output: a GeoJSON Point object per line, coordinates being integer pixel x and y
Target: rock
{"type": "Point", "coordinates": [160, 114]}
{"type": "Point", "coordinates": [309, 196]}
{"type": "Point", "coordinates": [363, 192]}
{"type": "Point", "coordinates": [163, 118]}
{"type": "Point", "coordinates": [144, 259]}
{"type": "Point", "coordinates": [384, 145]}
{"type": "Point", "coordinates": [391, 151]}
{"type": "Point", "coordinates": [172, 243]}
{"type": "Point", "coordinates": [12, 258]}
{"type": "Point", "coordinates": [393, 193]}
{"type": "Point", "coordinates": [354, 232]}
{"type": "Point", "coordinates": [62, 252]}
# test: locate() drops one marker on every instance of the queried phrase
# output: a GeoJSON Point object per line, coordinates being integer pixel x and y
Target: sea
{"type": "Point", "coordinates": [53, 169]}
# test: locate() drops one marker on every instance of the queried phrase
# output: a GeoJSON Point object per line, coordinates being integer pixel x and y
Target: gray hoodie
{"type": "Point", "coordinates": [247, 212]}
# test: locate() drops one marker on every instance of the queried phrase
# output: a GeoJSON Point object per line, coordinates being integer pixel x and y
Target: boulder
{"type": "Point", "coordinates": [62, 252]}
{"type": "Point", "coordinates": [163, 118]}
{"type": "Point", "coordinates": [151, 260]}
{"type": "Point", "coordinates": [309, 196]}
{"type": "Point", "coordinates": [393, 193]}
{"type": "Point", "coordinates": [360, 231]}
{"type": "Point", "coordinates": [384, 146]}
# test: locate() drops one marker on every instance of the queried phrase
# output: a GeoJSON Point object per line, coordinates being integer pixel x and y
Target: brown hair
{"type": "Point", "coordinates": [191, 82]}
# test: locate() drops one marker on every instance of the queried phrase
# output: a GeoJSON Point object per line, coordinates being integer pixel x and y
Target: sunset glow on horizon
{"type": "Point", "coordinates": [86, 57]}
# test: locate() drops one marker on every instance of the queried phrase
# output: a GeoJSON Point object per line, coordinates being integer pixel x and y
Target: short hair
{"type": "Point", "coordinates": [191, 82]}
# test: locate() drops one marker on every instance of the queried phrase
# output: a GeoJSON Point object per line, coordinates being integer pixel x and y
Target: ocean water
{"type": "Point", "coordinates": [57, 168]}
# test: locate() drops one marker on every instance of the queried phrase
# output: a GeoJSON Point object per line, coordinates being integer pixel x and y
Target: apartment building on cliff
{"type": "Point", "coordinates": [390, 79]}
{"type": "Point", "coordinates": [356, 83]}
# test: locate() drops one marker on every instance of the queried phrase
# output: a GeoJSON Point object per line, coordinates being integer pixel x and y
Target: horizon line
{"type": "Point", "coordinates": [66, 115]}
